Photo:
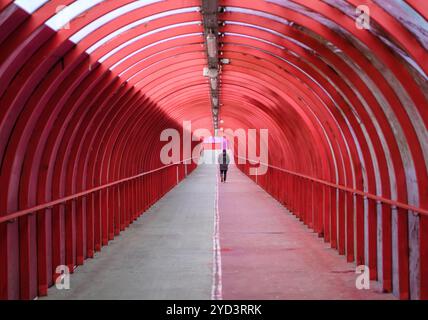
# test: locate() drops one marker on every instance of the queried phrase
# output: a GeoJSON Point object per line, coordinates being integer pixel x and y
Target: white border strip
{"type": "Point", "coordinates": [30, 6]}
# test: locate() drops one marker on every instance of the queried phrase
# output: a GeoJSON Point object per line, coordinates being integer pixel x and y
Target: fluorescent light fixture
{"type": "Point", "coordinates": [30, 6]}
{"type": "Point", "coordinates": [212, 73]}
{"type": "Point", "coordinates": [212, 45]}
{"type": "Point", "coordinates": [214, 83]}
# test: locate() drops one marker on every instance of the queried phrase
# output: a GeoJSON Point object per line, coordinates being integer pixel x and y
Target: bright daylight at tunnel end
{"type": "Point", "coordinates": [214, 150]}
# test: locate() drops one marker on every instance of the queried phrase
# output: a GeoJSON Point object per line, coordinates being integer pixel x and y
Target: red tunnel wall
{"type": "Point", "coordinates": [345, 108]}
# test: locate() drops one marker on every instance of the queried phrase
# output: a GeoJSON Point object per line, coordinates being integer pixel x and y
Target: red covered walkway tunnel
{"type": "Point", "coordinates": [88, 86]}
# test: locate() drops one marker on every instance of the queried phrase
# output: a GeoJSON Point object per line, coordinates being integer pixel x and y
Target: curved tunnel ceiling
{"type": "Point", "coordinates": [87, 87]}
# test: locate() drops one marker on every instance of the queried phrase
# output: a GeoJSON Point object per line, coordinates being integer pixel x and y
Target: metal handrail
{"type": "Point", "coordinates": [24, 212]}
{"type": "Point", "coordinates": [380, 199]}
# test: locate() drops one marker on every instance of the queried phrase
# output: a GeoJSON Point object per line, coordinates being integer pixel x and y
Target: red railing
{"type": "Point", "coordinates": [49, 205]}
{"type": "Point", "coordinates": [345, 217]}
{"type": "Point", "coordinates": [71, 229]}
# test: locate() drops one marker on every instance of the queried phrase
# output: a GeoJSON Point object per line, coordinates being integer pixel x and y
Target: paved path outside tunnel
{"type": "Point", "coordinates": [266, 253]}
{"type": "Point", "coordinates": [165, 254]}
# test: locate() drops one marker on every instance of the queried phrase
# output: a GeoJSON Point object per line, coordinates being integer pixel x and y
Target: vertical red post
{"type": "Point", "coordinates": [341, 222]}
{"type": "Point", "coordinates": [333, 218]}
{"type": "Point", "coordinates": [27, 257]}
{"type": "Point", "coordinates": [122, 206]}
{"type": "Point", "coordinates": [403, 254]}
{"type": "Point", "coordinates": [350, 214]}
{"type": "Point", "coordinates": [111, 212]}
{"type": "Point", "coordinates": [117, 215]}
{"type": "Point", "coordinates": [327, 210]}
{"type": "Point", "coordinates": [58, 257]}
{"type": "Point", "coordinates": [386, 247]}
{"type": "Point", "coordinates": [372, 239]}
{"type": "Point", "coordinates": [97, 220]}
{"type": "Point", "coordinates": [104, 216]}
{"type": "Point", "coordinates": [90, 225]}
{"type": "Point", "coordinates": [42, 262]}
{"type": "Point", "coordinates": [70, 235]}
{"type": "Point", "coordinates": [360, 221]}
{"type": "Point", "coordinates": [80, 215]}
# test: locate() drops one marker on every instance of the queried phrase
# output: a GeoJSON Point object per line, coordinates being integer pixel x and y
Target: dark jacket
{"type": "Point", "coordinates": [223, 160]}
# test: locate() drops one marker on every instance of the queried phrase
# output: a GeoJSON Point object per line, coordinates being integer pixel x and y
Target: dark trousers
{"type": "Point", "coordinates": [223, 175]}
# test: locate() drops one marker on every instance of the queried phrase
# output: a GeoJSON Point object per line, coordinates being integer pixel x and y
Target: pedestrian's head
{"type": "Point", "coordinates": [224, 151]}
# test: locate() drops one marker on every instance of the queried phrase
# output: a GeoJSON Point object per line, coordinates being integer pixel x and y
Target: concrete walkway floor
{"type": "Point", "coordinates": [165, 254]}
{"type": "Point", "coordinates": [265, 252]}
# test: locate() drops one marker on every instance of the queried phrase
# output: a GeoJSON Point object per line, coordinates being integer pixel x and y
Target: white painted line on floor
{"type": "Point", "coordinates": [216, 293]}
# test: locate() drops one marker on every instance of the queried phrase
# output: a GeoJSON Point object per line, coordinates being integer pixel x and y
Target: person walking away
{"type": "Point", "coordinates": [223, 160]}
